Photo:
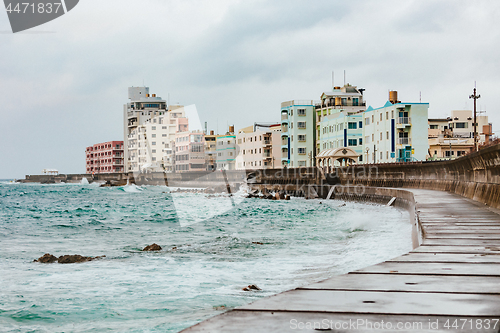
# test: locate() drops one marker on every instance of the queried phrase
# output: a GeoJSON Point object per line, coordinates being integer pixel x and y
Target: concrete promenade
{"type": "Point", "coordinates": [450, 283]}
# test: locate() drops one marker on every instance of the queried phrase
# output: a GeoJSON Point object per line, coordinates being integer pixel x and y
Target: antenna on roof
{"type": "Point", "coordinates": [344, 77]}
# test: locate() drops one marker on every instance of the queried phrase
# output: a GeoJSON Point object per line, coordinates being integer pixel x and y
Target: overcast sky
{"type": "Point", "coordinates": [63, 84]}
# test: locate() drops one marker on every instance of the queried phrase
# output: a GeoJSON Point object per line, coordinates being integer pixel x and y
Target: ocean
{"type": "Point", "coordinates": [205, 262]}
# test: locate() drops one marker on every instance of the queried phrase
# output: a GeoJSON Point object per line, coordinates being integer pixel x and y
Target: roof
{"type": "Point", "coordinates": [338, 152]}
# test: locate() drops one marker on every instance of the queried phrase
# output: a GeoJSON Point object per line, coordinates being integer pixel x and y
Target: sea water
{"type": "Point", "coordinates": [199, 273]}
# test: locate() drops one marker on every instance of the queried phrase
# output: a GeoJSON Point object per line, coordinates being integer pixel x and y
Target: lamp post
{"type": "Point", "coordinates": [475, 97]}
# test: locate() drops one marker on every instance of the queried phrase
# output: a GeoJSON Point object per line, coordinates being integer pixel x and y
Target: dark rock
{"type": "Point", "coordinates": [258, 243]}
{"type": "Point", "coordinates": [47, 258]}
{"type": "Point", "coordinates": [152, 247]}
{"type": "Point", "coordinates": [71, 259]}
{"type": "Point", "coordinates": [251, 287]}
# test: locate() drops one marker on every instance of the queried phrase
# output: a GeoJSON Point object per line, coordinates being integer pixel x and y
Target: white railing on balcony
{"type": "Point", "coordinates": [284, 116]}
{"type": "Point", "coordinates": [404, 120]}
{"type": "Point", "coordinates": [284, 155]}
{"type": "Point", "coordinates": [404, 141]}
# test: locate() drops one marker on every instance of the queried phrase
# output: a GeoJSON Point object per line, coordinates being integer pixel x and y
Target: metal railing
{"type": "Point", "coordinates": [404, 141]}
{"type": "Point", "coordinates": [404, 120]}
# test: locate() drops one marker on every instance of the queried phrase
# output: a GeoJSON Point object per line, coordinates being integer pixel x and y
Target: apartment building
{"type": "Point", "coordinates": [453, 137]}
{"type": "Point", "coordinates": [189, 151]}
{"type": "Point", "coordinates": [298, 133]}
{"type": "Point", "coordinates": [226, 150]}
{"type": "Point", "coordinates": [149, 127]}
{"type": "Point", "coordinates": [396, 132]}
{"type": "Point", "coordinates": [106, 157]}
{"type": "Point", "coordinates": [255, 147]}
{"type": "Point", "coordinates": [338, 108]}
{"type": "Point", "coordinates": [211, 151]}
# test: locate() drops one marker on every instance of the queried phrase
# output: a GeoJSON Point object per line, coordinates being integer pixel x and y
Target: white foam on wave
{"type": "Point", "coordinates": [132, 188]}
{"type": "Point", "coordinates": [84, 181]}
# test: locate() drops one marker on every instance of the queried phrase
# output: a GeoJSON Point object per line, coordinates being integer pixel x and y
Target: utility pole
{"type": "Point", "coordinates": [475, 97]}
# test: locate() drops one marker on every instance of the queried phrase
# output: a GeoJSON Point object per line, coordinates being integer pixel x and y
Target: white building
{"type": "Point", "coordinates": [298, 133]}
{"type": "Point", "coordinates": [149, 128]}
{"type": "Point", "coordinates": [396, 132]}
{"type": "Point", "coordinates": [226, 150]}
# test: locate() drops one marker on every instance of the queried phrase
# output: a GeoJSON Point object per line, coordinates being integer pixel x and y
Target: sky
{"type": "Point", "coordinates": [63, 84]}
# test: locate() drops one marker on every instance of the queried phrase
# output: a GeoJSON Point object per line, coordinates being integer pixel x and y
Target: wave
{"type": "Point", "coordinates": [132, 188]}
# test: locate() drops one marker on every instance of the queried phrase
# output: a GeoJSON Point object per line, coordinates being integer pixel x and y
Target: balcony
{"type": "Point", "coordinates": [284, 155]}
{"type": "Point", "coordinates": [404, 141]}
{"type": "Point", "coordinates": [284, 117]}
{"type": "Point", "coordinates": [284, 142]}
{"type": "Point", "coordinates": [267, 142]}
{"type": "Point", "coordinates": [404, 120]}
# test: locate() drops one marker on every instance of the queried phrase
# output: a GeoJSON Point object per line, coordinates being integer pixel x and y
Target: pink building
{"type": "Point", "coordinates": [189, 152]}
{"type": "Point", "coordinates": [106, 157]}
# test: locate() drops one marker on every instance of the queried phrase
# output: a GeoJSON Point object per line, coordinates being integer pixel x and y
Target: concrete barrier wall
{"type": "Point", "coordinates": [475, 176]}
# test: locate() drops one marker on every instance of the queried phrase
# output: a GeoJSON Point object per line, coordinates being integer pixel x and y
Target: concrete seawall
{"type": "Point", "coordinates": [475, 176]}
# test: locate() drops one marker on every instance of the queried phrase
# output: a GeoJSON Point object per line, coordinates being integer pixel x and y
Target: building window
{"type": "Point", "coordinates": [367, 121]}
{"type": "Point", "coordinates": [302, 151]}
{"type": "Point", "coordinates": [301, 124]}
{"type": "Point", "coordinates": [352, 142]}
{"type": "Point", "coordinates": [153, 128]}
{"type": "Point", "coordinates": [373, 118]}
{"type": "Point", "coordinates": [302, 163]}
{"type": "Point", "coordinates": [380, 136]}
{"type": "Point", "coordinates": [387, 135]}
{"type": "Point", "coordinates": [380, 116]}
{"type": "Point", "coordinates": [461, 125]}
{"type": "Point", "coordinates": [360, 141]}
{"type": "Point", "coordinates": [360, 124]}
{"type": "Point", "coordinates": [302, 138]}
{"type": "Point", "coordinates": [387, 115]}
{"type": "Point", "coordinates": [153, 135]}
{"type": "Point", "coordinates": [301, 112]}
{"type": "Point", "coordinates": [153, 151]}
{"type": "Point", "coordinates": [153, 143]}
{"type": "Point", "coordinates": [352, 125]}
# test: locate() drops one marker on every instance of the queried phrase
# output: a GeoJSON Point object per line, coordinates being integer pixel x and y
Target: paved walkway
{"type": "Point", "coordinates": [450, 283]}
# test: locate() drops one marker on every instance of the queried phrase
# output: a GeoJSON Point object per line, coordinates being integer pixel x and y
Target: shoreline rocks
{"type": "Point", "coordinates": [251, 287]}
{"type": "Point", "coordinates": [48, 258]}
{"type": "Point", "coordinates": [152, 247]}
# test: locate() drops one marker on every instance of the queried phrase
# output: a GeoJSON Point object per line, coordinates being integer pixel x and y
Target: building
{"type": "Point", "coordinates": [255, 147]}
{"type": "Point", "coordinates": [211, 151]}
{"type": "Point", "coordinates": [106, 157]}
{"type": "Point", "coordinates": [276, 145]}
{"type": "Point", "coordinates": [298, 133]}
{"type": "Point", "coordinates": [149, 128]}
{"type": "Point", "coordinates": [226, 150]}
{"type": "Point", "coordinates": [340, 106]}
{"type": "Point", "coordinates": [453, 137]}
{"type": "Point", "coordinates": [396, 132]}
{"type": "Point", "coordinates": [189, 151]}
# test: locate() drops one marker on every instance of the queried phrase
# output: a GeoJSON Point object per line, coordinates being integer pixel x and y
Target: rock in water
{"type": "Point", "coordinates": [47, 258]}
{"type": "Point", "coordinates": [251, 287]}
{"type": "Point", "coordinates": [71, 259]}
{"type": "Point", "coordinates": [152, 247]}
